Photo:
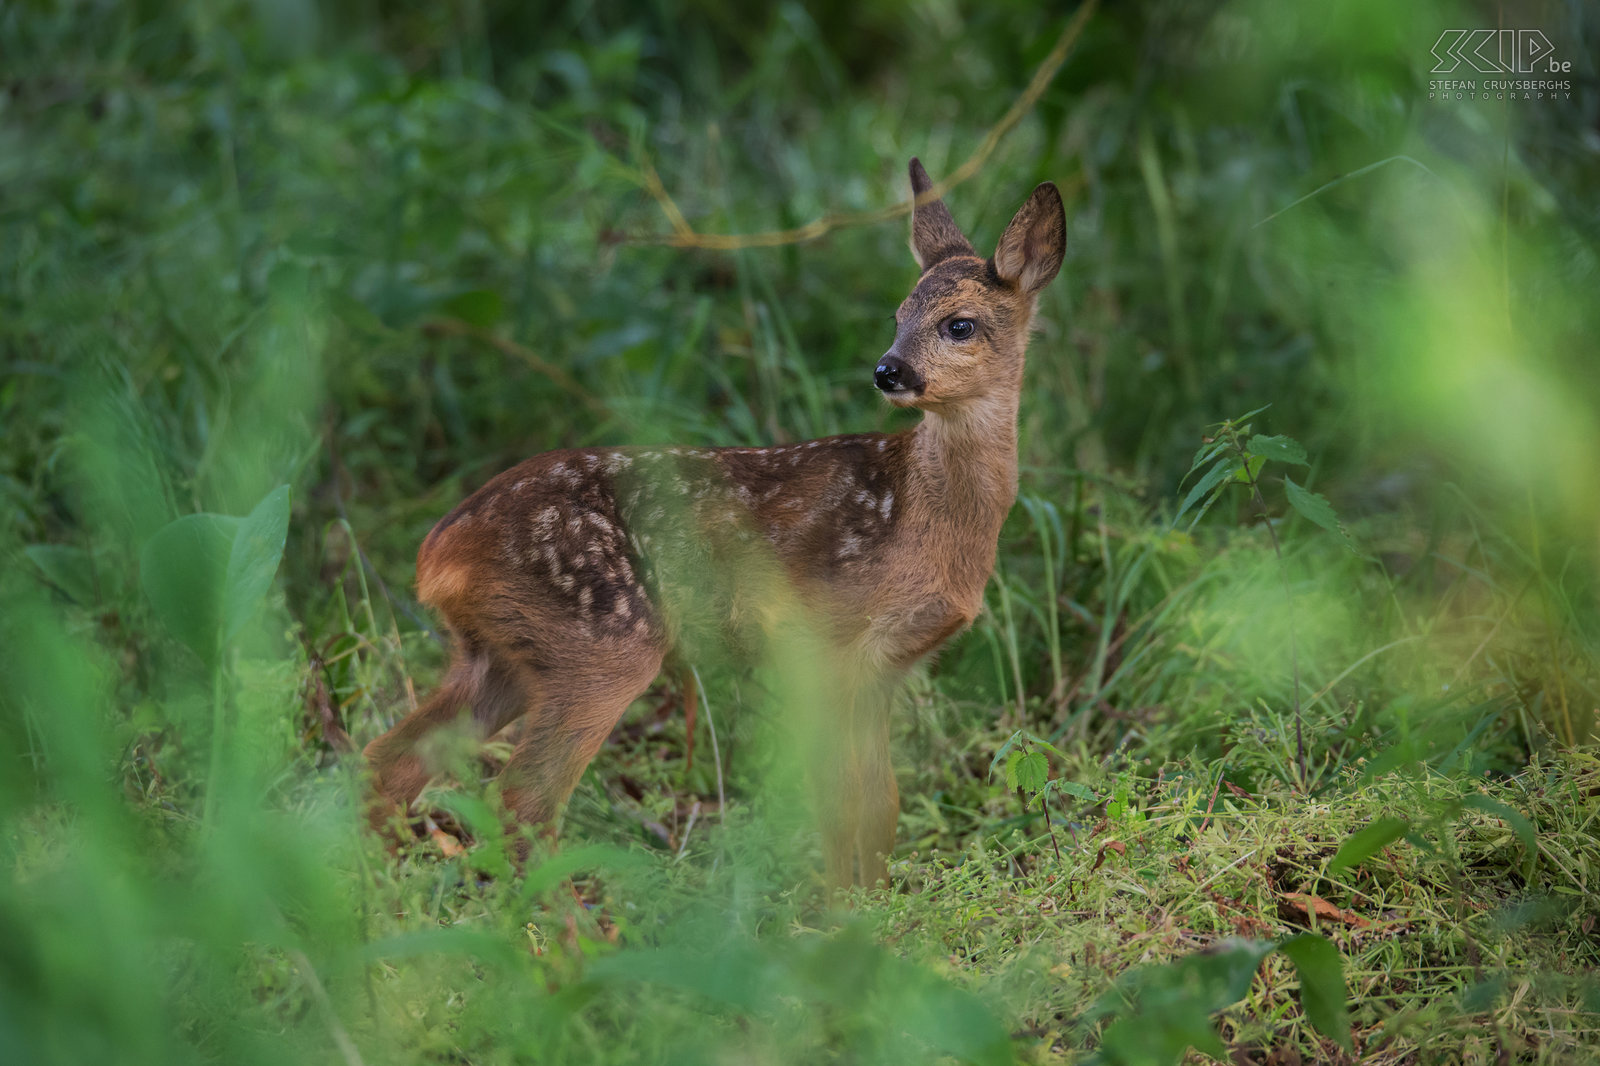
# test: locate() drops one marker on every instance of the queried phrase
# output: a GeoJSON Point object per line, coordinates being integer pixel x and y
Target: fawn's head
{"type": "Point", "coordinates": [960, 335]}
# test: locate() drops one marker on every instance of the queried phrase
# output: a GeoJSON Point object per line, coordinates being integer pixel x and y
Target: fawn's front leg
{"type": "Point", "coordinates": [858, 801]}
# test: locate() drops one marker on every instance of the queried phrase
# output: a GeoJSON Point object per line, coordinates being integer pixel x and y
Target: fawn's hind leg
{"type": "Point", "coordinates": [496, 694]}
{"type": "Point", "coordinates": [577, 713]}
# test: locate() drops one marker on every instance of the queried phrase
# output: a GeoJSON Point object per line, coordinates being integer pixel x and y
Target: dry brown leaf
{"type": "Point", "coordinates": [1111, 845]}
{"type": "Point", "coordinates": [449, 845]}
{"type": "Point", "coordinates": [1297, 907]}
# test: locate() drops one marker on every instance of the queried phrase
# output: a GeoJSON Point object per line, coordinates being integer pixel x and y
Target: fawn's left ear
{"type": "Point", "coordinates": [1032, 247]}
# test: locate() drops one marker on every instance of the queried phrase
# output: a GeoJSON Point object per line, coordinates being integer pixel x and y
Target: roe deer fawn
{"type": "Point", "coordinates": [562, 579]}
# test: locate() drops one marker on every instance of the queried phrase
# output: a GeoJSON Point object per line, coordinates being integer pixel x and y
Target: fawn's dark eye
{"type": "Point", "coordinates": [961, 328]}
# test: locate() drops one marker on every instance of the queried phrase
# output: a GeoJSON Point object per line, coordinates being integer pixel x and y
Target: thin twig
{"type": "Point", "coordinates": [716, 751]}
{"type": "Point", "coordinates": [538, 364]}
{"type": "Point", "coordinates": [694, 813]}
{"type": "Point", "coordinates": [1342, 178]}
{"type": "Point", "coordinates": [684, 236]}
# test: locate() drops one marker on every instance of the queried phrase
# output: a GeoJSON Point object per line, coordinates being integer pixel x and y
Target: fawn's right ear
{"type": "Point", "coordinates": [1033, 246]}
{"type": "Point", "coordinates": [934, 234]}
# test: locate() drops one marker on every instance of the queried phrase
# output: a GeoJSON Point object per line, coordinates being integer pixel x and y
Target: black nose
{"type": "Point", "coordinates": [893, 375]}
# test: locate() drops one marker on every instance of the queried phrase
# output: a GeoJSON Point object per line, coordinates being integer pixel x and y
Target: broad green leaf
{"type": "Point", "coordinates": [253, 559]}
{"type": "Point", "coordinates": [1316, 509]}
{"type": "Point", "coordinates": [1322, 990]}
{"type": "Point", "coordinates": [953, 1021]}
{"type": "Point", "coordinates": [568, 862]}
{"type": "Point", "coordinates": [1278, 449]}
{"type": "Point", "coordinates": [1365, 843]}
{"type": "Point", "coordinates": [67, 568]}
{"type": "Point", "coordinates": [183, 568]}
{"type": "Point", "coordinates": [1032, 771]}
{"type": "Point", "coordinates": [737, 974]}
{"type": "Point", "coordinates": [1172, 1004]}
{"type": "Point", "coordinates": [1250, 470]}
{"type": "Point", "coordinates": [1011, 769]}
{"type": "Point", "coordinates": [1212, 479]}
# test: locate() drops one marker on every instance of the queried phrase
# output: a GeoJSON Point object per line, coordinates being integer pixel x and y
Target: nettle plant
{"type": "Point", "coordinates": [1234, 456]}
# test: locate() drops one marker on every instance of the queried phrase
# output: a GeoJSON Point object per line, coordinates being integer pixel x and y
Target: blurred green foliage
{"type": "Point", "coordinates": [378, 252]}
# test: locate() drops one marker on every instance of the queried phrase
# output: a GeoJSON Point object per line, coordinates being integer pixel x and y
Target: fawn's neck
{"type": "Point", "coordinates": [966, 462]}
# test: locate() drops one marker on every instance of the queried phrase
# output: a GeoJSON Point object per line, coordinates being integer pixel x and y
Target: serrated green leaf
{"type": "Point", "coordinates": [1361, 845]}
{"type": "Point", "coordinates": [1005, 750]}
{"type": "Point", "coordinates": [1322, 989]}
{"type": "Point", "coordinates": [1247, 473]}
{"type": "Point", "coordinates": [1278, 449]}
{"type": "Point", "coordinates": [1317, 510]}
{"type": "Point", "coordinates": [253, 559]}
{"type": "Point", "coordinates": [1204, 455]}
{"type": "Point", "coordinates": [1032, 771]}
{"type": "Point", "coordinates": [1011, 769]}
{"type": "Point", "coordinates": [1209, 482]}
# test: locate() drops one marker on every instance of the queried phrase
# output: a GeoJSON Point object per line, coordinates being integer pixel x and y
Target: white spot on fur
{"type": "Point", "coordinates": [886, 506]}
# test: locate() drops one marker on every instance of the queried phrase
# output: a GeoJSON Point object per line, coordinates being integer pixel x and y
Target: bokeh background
{"type": "Point", "coordinates": [379, 251]}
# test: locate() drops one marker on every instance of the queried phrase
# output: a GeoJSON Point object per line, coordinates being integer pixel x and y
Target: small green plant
{"type": "Point", "coordinates": [1027, 769]}
{"type": "Point", "coordinates": [1236, 455]}
{"type": "Point", "coordinates": [206, 575]}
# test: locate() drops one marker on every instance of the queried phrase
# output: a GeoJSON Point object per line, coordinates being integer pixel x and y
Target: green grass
{"type": "Point", "coordinates": [378, 255]}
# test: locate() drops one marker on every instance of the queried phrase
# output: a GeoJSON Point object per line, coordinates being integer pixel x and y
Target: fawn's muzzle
{"type": "Point", "coordinates": [893, 375]}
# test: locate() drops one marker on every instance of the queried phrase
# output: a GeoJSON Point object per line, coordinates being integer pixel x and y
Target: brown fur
{"type": "Point", "coordinates": [567, 579]}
